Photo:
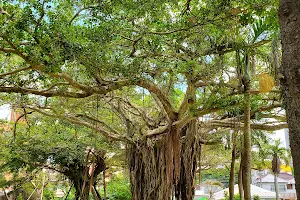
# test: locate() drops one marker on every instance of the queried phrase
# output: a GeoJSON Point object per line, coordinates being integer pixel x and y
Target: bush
{"type": "Point", "coordinates": [256, 197]}
{"type": "Point", "coordinates": [236, 196]}
{"type": "Point", "coordinates": [118, 188]}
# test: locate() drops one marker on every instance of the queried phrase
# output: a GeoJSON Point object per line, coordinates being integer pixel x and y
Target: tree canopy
{"type": "Point", "coordinates": [161, 77]}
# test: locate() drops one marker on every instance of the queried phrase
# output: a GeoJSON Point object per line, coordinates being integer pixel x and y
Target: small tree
{"type": "Point", "coordinates": [56, 149]}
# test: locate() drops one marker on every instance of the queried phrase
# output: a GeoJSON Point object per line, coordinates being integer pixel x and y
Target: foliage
{"type": "Point", "coordinates": [236, 196]}
{"type": "Point", "coordinates": [118, 188]}
{"type": "Point", "coordinates": [49, 145]}
{"type": "Point", "coordinates": [135, 75]}
{"type": "Point", "coordinates": [256, 197]}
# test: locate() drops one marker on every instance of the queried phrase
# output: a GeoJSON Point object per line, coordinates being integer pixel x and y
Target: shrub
{"type": "Point", "coordinates": [256, 197]}
{"type": "Point", "coordinates": [118, 188]}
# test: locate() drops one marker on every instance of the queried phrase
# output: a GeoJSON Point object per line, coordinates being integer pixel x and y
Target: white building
{"type": "Point", "coordinates": [286, 185]}
{"type": "Point", "coordinates": [255, 191]}
{"type": "Point", "coordinates": [205, 191]}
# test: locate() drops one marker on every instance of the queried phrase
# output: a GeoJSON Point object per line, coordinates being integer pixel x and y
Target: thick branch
{"type": "Point", "coordinates": [238, 125]}
{"type": "Point", "coordinates": [266, 108]}
{"type": "Point", "coordinates": [158, 131]}
{"type": "Point", "coordinates": [185, 103]}
{"type": "Point", "coordinates": [161, 96]}
{"type": "Point", "coordinates": [45, 93]}
{"type": "Point", "coordinates": [140, 112]}
{"type": "Point", "coordinates": [15, 71]}
{"type": "Point", "coordinates": [77, 121]}
{"type": "Point", "coordinates": [7, 50]}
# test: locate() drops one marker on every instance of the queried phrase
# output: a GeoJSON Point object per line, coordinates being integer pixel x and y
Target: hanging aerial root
{"type": "Point", "coordinates": [166, 166]}
{"type": "Point", "coordinates": [189, 154]}
{"type": "Point", "coordinates": [154, 166]}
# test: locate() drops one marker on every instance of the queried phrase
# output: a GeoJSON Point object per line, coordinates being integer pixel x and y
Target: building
{"type": "Point", "coordinates": [255, 191]}
{"type": "Point", "coordinates": [207, 189]}
{"type": "Point", "coordinates": [286, 185]}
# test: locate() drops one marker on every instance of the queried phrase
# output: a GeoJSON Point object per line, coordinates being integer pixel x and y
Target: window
{"type": "Point", "coordinates": [289, 186]}
{"type": "Point", "coordinates": [272, 188]}
{"type": "Point", "coordinates": [281, 188]}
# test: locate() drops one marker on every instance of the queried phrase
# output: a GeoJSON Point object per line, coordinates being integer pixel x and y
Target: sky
{"type": "Point", "coordinates": [4, 112]}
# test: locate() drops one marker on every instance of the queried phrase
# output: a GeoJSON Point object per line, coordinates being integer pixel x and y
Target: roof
{"type": "Point", "coordinates": [262, 193]}
{"type": "Point", "coordinates": [201, 193]}
{"type": "Point", "coordinates": [285, 176]}
{"type": "Point", "coordinates": [292, 181]}
{"type": "Point", "coordinates": [269, 178]}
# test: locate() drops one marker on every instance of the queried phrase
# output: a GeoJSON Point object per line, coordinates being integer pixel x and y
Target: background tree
{"type": "Point", "coordinates": [58, 147]}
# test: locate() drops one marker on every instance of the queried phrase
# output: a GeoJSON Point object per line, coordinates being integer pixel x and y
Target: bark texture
{"type": "Point", "coordinates": [184, 190]}
{"type": "Point", "coordinates": [246, 155]}
{"type": "Point", "coordinates": [289, 18]}
{"type": "Point", "coordinates": [165, 167]}
{"type": "Point", "coordinates": [154, 167]}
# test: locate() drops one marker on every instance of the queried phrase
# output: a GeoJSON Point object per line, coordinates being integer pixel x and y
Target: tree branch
{"type": "Point", "coordinates": [78, 13]}
{"type": "Point", "coordinates": [184, 29]}
{"type": "Point", "coordinates": [45, 93]}
{"type": "Point", "coordinates": [239, 125]}
{"type": "Point", "coordinates": [98, 121]}
{"type": "Point", "coordinates": [16, 122]}
{"type": "Point", "coordinates": [7, 50]}
{"type": "Point", "coordinates": [38, 22]}
{"type": "Point", "coordinates": [77, 121]}
{"type": "Point", "coordinates": [15, 71]}
{"type": "Point", "coordinates": [140, 112]}
{"type": "Point", "coordinates": [152, 88]}
{"type": "Point", "coordinates": [158, 131]}
{"type": "Point", "coordinates": [133, 46]}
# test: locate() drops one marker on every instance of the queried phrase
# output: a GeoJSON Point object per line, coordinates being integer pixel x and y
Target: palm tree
{"type": "Point", "coordinates": [276, 152]}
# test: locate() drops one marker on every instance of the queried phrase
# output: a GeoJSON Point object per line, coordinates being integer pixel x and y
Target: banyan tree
{"type": "Point", "coordinates": [139, 73]}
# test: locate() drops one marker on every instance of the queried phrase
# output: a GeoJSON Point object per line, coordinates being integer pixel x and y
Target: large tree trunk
{"type": "Point", "coordinates": [289, 18]}
{"type": "Point", "coordinates": [246, 155]}
{"type": "Point", "coordinates": [163, 167]}
{"type": "Point", "coordinates": [185, 189]}
{"type": "Point", "coordinates": [154, 166]}
{"type": "Point", "coordinates": [232, 167]}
